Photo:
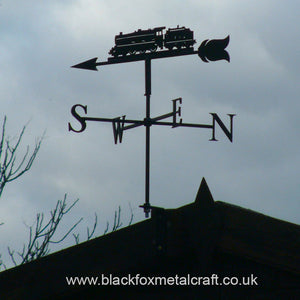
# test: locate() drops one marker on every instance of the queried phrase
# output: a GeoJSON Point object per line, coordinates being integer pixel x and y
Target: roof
{"type": "Point", "coordinates": [191, 232]}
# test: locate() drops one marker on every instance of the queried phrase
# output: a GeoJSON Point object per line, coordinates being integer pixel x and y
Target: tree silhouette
{"type": "Point", "coordinates": [42, 233]}
{"type": "Point", "coordinates": [11, 168]}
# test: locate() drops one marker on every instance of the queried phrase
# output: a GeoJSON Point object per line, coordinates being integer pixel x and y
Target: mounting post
{"type": "Point", "coordinates": [147, 206]}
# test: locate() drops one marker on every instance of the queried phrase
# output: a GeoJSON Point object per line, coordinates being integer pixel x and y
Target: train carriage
{"type": "Point", "coordinates": [179, 37]}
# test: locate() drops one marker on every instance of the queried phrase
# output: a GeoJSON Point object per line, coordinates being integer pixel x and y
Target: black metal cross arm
{"type": "Point", "coordinates": [150, 121]}
{"type": "Point", "coordinates": [118, 123]}
{"type": "Point", "coordinates": [215, 119]}
{"type": "Point", "coordinates": [82, 120]}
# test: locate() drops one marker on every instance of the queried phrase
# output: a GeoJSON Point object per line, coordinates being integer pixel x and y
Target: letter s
{"type": "Point", "coordinates": [80, 119]}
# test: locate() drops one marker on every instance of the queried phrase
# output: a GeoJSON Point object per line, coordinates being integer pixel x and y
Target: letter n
{"type": "Point", "coordinates": [223, 127]}
{"type": "Point", "coordinates": [118, 126]}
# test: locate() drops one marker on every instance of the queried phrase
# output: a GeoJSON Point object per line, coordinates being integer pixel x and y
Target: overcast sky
{"type": "Point", "coordinates": [40, 40]}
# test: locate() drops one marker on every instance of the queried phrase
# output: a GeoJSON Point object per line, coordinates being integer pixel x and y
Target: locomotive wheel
{"type": "Point", "coordinates": [153, 49]}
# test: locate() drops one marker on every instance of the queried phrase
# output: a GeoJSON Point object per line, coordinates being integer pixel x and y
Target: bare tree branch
{"type": "Point", "coordinates": [76, 237]}
{"type": "Point", "coordinates": [131, 215]}
{"type": "Point", "coordinates": [90, 235]}
{"type": "Point", "coordinates": [42, 235]}
{"type": "Point", "coordinates": [117, 220]}
{"type": "Point", "coordinates": [106, 229]}
{"type": "Point", "coordinates": [9, 169]}
{"type": "Point", "coordinates": [2, 265]}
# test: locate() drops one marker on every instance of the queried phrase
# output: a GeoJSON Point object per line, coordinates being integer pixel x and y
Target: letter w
{"type": "Point", "coordinates": [118, 125]}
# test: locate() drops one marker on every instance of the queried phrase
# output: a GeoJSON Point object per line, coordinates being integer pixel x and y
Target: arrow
{"type": "Point", "coordinates": [92, 64]}
{"type": "Point", "coordinates": [87, 65]}
{"type": "Point", "coordinates": [208, 51]}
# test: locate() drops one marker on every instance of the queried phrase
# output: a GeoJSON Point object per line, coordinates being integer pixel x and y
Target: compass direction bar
{"type": "Point", "coordinates": [151, 121]}
{"type": "Point", "coordinates": [183, 125]}
{"type": "Point", "coordinates": [119, 122]}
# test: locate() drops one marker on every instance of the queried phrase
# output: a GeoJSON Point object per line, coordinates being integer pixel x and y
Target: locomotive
{"type": "Point", "coordinates": [149, 40]}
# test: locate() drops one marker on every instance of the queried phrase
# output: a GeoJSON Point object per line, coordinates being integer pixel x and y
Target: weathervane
{"type": "Point", "coordinates": [143, 45]}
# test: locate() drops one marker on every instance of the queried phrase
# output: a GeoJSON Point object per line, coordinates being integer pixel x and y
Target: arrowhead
{"type": "Point", "coordinates": [87, 65]}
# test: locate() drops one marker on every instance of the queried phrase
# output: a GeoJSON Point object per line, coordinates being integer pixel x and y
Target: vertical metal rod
{"type": "Point", "coordinates": [147, 206]}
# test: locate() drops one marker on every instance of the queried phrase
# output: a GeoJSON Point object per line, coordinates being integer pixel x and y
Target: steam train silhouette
{"type": "Point", "coordinates": [141, 41]}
